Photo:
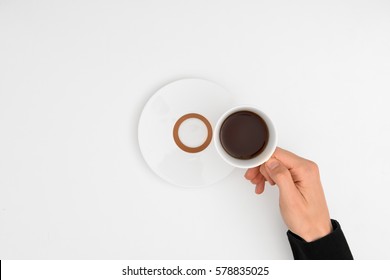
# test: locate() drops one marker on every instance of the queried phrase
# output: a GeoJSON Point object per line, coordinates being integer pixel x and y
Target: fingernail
{"type": "Point", "coordinates": [272, 164]}
{"type": "Point", "coordinates": [246, 173]}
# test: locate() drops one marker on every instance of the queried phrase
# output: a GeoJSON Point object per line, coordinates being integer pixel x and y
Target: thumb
{"type": "Point", "coordinates": [281, 176]}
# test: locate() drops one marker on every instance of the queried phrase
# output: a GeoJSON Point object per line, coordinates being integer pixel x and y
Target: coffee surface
{"type": "Point", "coordinates": [244, 135]}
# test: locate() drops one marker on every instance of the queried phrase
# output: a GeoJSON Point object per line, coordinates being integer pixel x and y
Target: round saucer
{"type": "Point", "coordinates": [175, 131]}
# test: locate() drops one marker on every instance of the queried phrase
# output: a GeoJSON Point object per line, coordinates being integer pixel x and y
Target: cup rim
{"type": "Point", "coordinates": [263, 156]}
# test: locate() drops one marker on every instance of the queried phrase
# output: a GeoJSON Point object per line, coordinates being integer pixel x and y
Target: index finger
{"type": "Point", "coordinates": [289, 159]}
{"type": "Point", "coordinates": [251, 173]}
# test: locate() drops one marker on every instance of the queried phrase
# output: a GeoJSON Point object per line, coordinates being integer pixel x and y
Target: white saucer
{"type": "Point", "coordinates": [192, 165]}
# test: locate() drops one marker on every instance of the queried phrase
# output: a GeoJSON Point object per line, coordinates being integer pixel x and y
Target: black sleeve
{"type": "Point", "coordinates": [333, 246]}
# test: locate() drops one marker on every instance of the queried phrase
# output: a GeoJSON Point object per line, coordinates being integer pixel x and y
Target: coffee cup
{"type": "Point", "coordinates": [245, 137]}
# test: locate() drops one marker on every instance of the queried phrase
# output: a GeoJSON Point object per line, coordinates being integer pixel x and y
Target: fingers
{"type": "Point", "coordinates": [254, 174]}
{"type": "Point", "coordinates": [251, 173]}
{"type": "Point", "coordinates": [264, 172]}
{"type": "Point", "coordinates": [256, 178]}
{"type": "Point", "coordinates": [282, 177]}
{"type": "Point", "coordinates": [289, 159]}
{"type": "Point", "coordinates": [260, 188]}
{"type": "Point", "coordinates": [259, 181]}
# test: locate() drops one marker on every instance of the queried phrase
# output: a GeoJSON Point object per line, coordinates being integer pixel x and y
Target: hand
{"type": "Point", "coordinates": [301, 197]}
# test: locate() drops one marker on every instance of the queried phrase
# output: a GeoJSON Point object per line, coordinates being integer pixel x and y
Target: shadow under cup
{"type": "Point", "coordinates": [235, 137]}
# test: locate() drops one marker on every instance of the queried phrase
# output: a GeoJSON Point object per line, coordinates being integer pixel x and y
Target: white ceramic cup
{"type": "Point", "coordinates": [259, 159]}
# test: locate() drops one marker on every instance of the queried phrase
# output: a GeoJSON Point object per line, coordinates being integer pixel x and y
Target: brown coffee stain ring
{"type": "Point", "coordinates": [177, 138]}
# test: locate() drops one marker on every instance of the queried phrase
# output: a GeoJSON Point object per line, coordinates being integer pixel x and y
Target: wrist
{"type": "Point", "coordinates": [316, 232]}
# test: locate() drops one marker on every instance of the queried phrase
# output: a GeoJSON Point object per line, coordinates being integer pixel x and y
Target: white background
{"type": "Point", "coordinates": [75, 75]}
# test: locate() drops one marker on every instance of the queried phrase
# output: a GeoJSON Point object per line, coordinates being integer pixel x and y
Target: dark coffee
{"type": "Point", "coordinates": [244, 135]}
